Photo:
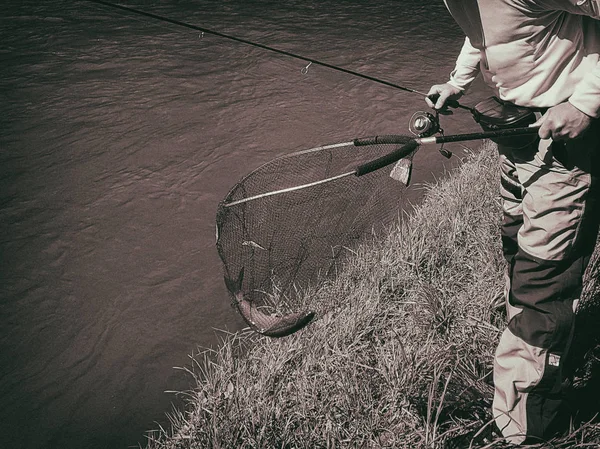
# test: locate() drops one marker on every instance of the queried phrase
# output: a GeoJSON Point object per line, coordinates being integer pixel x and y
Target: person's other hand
{"type": "Point", "coordinates": [563, 122]}
{"type": "Point", "coordinates": [443, 92]}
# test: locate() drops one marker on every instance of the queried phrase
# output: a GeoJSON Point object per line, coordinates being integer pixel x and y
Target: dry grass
{"type": "Point", "coordinates": [400, 356]}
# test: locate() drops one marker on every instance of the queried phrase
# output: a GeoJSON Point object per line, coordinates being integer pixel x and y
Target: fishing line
{"type": "Point", "coordinates": [287, 224]}
{"type": "Point", "coordinates": [304, 70]}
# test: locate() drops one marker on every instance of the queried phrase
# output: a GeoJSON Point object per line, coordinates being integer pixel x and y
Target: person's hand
{"type": "Point", "coordinates": [443, 92]}
{"type": "Point", "coordinates": [563, 122]}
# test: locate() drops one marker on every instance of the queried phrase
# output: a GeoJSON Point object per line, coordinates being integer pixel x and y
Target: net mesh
{"type": "Point", "coordinates": [277, 246]}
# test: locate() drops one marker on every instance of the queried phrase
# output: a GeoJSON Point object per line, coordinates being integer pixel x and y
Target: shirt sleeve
{"type": "Point", "coordinates": [467, 66]}
{"type": "Point", "coordinates": [586, 96]}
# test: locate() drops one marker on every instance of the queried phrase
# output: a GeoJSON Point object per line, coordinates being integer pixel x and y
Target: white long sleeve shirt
{"type": "Point", "coordinates": [535, 53]}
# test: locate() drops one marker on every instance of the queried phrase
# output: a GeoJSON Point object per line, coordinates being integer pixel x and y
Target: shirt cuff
{"type": "Point", "coordinates": [586, 96]}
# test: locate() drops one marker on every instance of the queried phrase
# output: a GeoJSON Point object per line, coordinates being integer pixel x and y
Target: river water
{"type": "Point", "coordinates": [119, 135]}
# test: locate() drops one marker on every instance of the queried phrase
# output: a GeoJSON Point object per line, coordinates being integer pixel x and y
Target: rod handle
{"type": "Point", "coordinates": [508, 132]}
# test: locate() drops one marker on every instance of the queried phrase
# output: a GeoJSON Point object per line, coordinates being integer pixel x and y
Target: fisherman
{"type": "Point", "coordinates": [540, 54]}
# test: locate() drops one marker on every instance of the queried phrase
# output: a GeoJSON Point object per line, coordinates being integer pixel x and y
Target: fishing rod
{"type": "Point", "coordinates": [409, 147]}
{"type": "Point", "coordinates": [452, 103]}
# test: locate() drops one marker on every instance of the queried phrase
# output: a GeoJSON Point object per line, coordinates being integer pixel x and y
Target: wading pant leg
{"type": "Point", "coordinates": [549, 227]}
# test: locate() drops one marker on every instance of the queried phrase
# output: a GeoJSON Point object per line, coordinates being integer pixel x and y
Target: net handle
{"type": "Point", "coordinates": [387, 159]}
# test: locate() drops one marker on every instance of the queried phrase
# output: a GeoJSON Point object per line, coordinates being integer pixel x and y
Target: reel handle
{"type": "Point", "coordinates": [446, 153]}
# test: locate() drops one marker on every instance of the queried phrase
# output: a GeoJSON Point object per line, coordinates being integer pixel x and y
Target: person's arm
{"type": "Point", "coordinates": [467, 66]}
{"type": "Point", "coordinates": [586, 96]}
{"type": "Point", "coordinates": [464, 73]}
{"type": "Point", "coordinates": [571, 119]}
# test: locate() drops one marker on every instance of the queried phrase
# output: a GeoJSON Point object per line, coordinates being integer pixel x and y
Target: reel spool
{"type": "Point", "coordinates": [424, 124]}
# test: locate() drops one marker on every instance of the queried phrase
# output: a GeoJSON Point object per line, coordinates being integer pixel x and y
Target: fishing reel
{"type": "Point", "coordinates": [425, 124]}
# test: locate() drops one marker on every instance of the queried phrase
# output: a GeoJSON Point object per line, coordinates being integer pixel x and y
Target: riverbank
{"type": "Point", "coordinates": [400, 355]}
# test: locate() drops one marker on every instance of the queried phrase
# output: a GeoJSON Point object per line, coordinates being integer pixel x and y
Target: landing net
{"type": "Point", "coordinates": [274, 247]}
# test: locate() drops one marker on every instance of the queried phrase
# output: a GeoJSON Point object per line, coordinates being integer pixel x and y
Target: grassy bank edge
{"type": "Point", "coordinates": [401, 352]}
